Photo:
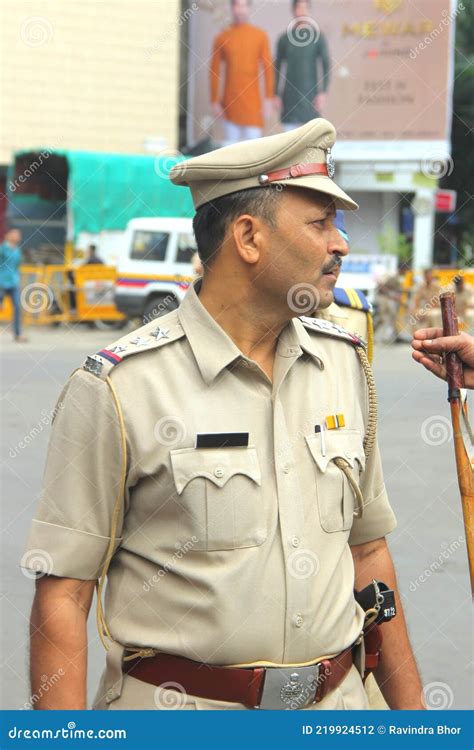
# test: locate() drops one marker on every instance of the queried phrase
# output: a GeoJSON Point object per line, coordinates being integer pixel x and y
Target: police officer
{"type": "Point", "coordinates": [218, 469]}
{"type": "Point", "coordinates": [425, 308]}
{"type": "Point", "coordinates": [388, 298]}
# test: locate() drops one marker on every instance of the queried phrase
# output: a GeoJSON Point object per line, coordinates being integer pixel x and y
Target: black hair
{"type": "Point", "coordinates": [295, 3]}
{"type": "Point", "coordinates": [212, 219]}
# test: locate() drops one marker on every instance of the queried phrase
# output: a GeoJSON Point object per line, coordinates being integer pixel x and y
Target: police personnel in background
{"type": "Point", "coordinates": [425, 308]}
{"type": "Point", "coordinates": [219, 468]}
{"type": "Point", "coordinates": [464, 298]}
{"type": "Point", "coordinates": [351, 308]}
{"type": "Point", "coordinates": [388, 299]}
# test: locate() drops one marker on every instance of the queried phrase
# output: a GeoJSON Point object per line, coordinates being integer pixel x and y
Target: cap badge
{"type": "Point", "coordinates": [330, 163]}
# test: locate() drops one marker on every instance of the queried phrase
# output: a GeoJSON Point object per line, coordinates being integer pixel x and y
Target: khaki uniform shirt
{"type": "Point", "coordinates": [229, 554]}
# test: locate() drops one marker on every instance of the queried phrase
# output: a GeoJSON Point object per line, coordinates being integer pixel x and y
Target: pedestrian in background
{"type": "Point", "coordinates": [10, 260]}
{"type": "Point", "coordinates": [93, 258]}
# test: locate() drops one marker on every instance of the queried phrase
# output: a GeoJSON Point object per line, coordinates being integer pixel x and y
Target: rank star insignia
{"type": "Point", "coordinates": [160, 333]}
{"type": "Point", "coordinates": [139, 341]}
{"type": "Point", "coordinates": [117, 349]}
{"type": "Point", "coordinates": [330, 163]}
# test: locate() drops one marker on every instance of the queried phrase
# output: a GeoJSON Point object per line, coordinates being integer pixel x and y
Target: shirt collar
{"type": "Point", "coordinates": [214, 350]}
{"type": "Point", "coordinates": [310, 344]}
{"type": "Point", "coordinates": [211, 346]}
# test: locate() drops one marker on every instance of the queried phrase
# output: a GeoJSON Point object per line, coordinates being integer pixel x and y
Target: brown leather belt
{"type": "Point", "coordinates": [255, 687]}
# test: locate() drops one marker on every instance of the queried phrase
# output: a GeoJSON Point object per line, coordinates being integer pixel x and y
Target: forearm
{"type": "Point", "coordinates": [397, 673]}
{"type": "Point", "coordinates": [58, 654]}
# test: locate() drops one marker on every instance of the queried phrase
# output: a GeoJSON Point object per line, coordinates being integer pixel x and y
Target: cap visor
{"type": "Point", "coordinates": [323, 185]}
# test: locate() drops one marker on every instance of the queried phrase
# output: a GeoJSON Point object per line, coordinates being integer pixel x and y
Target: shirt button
{"type": "Point", "coordinates": [299, 620]}
{"type": "Point", "coordinates": [295, 541]}
{"type": "Point", "coordinates": [286, 469]}
{"type": "Point", "coordinates": [219, 472]}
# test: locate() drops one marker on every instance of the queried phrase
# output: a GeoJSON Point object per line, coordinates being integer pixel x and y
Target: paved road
{"type": "Point", "coordinates": [414, 433]}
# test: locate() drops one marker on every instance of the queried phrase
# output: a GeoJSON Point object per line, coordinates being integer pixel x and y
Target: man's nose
{"type": "Point", "coordinates": [337, 243]}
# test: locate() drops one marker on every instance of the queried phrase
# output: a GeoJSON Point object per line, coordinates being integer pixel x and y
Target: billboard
{"type": "Point", "coordinates": [389, 62]}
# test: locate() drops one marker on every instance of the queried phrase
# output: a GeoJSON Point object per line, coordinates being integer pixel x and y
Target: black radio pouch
{"type": "Point", "coordinates": [377, 596]}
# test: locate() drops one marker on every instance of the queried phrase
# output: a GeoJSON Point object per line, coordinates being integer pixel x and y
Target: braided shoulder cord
{"type": "Point", "coordinates": [370, 435]}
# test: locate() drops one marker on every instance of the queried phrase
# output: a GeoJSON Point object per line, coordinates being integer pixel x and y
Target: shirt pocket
{"type": "Point", "coordinates": [335, 496]}
{"type": "Point", "coordinates": [220, 493]}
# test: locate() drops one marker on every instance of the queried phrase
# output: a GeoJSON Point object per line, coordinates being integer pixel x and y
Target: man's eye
{"type": "Point", "coordinates": [320, 222]}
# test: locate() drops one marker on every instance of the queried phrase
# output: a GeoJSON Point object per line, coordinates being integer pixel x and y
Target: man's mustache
{"type": "Point", "coordinates": [334, 266]}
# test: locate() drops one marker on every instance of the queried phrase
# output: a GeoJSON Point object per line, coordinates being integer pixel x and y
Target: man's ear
{"type": "Point", "coordinates": [249, 235]}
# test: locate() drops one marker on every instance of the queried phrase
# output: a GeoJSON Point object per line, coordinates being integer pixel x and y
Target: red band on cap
{"type": "Point", "coordinates": [296, 170]}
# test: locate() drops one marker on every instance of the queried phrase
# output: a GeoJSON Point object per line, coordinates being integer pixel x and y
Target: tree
{"type": "Point", "coordinates": [462, 136]}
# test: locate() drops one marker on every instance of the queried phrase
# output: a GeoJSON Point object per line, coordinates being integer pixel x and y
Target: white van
{"type": "Point", "coordinates": [154, 267]}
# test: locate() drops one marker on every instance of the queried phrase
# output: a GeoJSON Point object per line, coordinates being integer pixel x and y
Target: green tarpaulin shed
{"type": "Point", "coordinates": [106, 190]}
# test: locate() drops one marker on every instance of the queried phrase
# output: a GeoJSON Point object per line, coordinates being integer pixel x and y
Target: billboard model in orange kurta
{"type": "Point", "coordinates": [242, 51]}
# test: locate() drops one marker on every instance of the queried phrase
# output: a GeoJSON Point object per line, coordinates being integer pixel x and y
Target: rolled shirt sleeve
{"type": "Point", "coordinates": [378, 518]}
{"type": "Point", "coordinates": [82, 479]}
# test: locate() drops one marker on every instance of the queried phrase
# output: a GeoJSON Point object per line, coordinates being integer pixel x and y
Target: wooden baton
{"type": "Point", "coordinates": [455, 378]}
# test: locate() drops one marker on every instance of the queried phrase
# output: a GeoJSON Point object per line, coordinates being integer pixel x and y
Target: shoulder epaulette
{"type": "Point", "coordinates": [318, 325]}
{"type": "Point", "coordinates": [353, 298]}
{"type": "Point", "coordinates": [153, 335]}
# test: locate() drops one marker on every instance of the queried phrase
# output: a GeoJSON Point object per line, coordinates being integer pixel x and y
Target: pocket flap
{"type": "Point", "coordinates": [340, 443]}
{"type": "Point", "coordinates": [216, 464]}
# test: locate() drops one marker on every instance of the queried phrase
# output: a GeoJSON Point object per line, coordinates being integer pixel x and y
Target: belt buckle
{"type": "Point", "coordinates": [289, 688]}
